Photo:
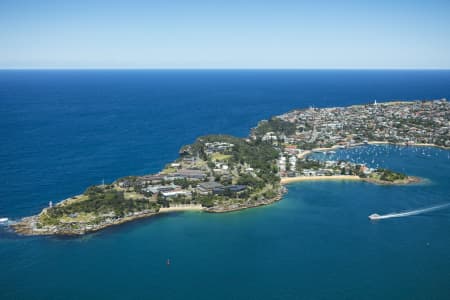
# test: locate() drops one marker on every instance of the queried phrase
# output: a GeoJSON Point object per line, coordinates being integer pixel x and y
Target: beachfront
{"type": "Point", "coordinates": [182, 207]}
{"type": "Point", "coordinates": [286, 180]}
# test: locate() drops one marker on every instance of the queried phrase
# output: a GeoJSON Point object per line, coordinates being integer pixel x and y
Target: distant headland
{"type": "Point", "coordinates": [221, 173]}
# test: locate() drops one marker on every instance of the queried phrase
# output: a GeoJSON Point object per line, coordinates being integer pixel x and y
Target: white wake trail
{"type": "Point", "coordinates": [407, 213]}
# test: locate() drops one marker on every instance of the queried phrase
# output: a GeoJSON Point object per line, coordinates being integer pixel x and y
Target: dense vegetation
{"type": "Point", "coordinates": [102, 201]}
{"type": "Point", "coordinates": [388, 175]}
{"type": "Point", "coordinates": [275, 125]}
{"type": "Point", "coordinates": [256, 154]}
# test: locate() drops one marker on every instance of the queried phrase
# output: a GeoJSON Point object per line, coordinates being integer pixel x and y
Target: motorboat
{"type": "Point", "coordinates": [374, 216]}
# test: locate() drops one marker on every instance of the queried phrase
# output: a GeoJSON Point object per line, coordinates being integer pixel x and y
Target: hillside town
{"type": "Point", "coordinates": [300, 132]}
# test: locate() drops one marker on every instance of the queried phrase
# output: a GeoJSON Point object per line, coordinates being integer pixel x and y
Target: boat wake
{"type": "Point", "coordinates": [407, 213]}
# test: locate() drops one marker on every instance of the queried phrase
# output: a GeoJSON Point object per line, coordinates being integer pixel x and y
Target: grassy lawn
{"type": "Point", "coordinates": [80, 218]}
{"type": "Point", "coordinates": [220, 156]}
{"type": "Point", "coordinates": [133, 195]}
{"type": "Point", "coordinates": [375, 176]}
{"type": "Point", "coordinates": [77, 198]}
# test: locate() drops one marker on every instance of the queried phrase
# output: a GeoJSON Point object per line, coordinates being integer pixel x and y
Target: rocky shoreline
{"type": "Point", "coordinates": [27, 225]}
{"type": "Point", "coordinates": [409, 180]}
{"type": "Point", "coordinates": [237, 207]}
{"type": "Point", "coordinates": [222, 174]}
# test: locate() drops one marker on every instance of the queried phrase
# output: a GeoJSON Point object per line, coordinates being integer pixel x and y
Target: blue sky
{"type": "Point", "coordinates": [225, 34]}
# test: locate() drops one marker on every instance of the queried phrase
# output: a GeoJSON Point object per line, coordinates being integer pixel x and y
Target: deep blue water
{"type": "Point", "coordinates": [61, 131]}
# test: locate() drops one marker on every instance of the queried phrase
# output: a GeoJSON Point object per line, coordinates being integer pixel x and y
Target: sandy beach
{"type": "Point", "coordinates": [287, 180]}
{"type": "Point", "coordinates": [304, 154]}
{"type": "Point", "coordinates": [187, 207]}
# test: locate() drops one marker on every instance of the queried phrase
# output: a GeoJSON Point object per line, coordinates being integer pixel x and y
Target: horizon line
{"type": "Point", "coordinates": [213, 69]}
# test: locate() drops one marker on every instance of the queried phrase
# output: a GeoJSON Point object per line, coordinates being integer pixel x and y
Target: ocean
{"type": "Point", "coordinates": [62, 131]}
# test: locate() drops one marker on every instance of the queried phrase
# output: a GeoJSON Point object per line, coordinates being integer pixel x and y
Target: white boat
{"type": "Point", "coordinates": [3, 220]}
{"type": "Point", "coordinates": [374, 216]}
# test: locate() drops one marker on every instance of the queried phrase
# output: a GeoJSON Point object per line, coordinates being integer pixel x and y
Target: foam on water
{"type": "Point", "coordinates": [408, 213]}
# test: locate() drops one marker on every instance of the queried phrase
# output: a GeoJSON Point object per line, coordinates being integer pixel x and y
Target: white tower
{"type": "Point", "coordinates": [50, 204]}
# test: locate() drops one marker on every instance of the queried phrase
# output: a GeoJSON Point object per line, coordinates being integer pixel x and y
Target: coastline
{"type": "Point", "coordinates": [287, 180]}
{"type": "Point", "coordinates": [187, 207]}
{"type": "Point", "coordinates": [406, 145]}
{"type": "Point", "coordinates": [64, 220]}
{"type": "Point", "coordinates": [409, 180]}
{"type": "Point", "coordinates": [305, 153]}
{"type": "Point", "coordinates": [25, 226]}
{"type": "Point", "coordinates": [337, 147]}
{"type": "Point", "coordinates": [248, 205]}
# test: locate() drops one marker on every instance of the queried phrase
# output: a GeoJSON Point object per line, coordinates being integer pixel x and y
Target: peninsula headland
{"type": "Point", "coordinates": [221, 173]}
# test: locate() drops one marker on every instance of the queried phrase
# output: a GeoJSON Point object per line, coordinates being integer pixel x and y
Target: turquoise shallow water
{"type": "Point", "coordinates": [62, 132]}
